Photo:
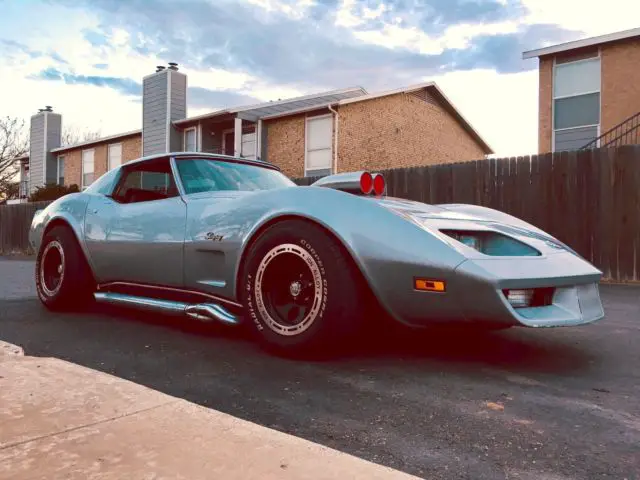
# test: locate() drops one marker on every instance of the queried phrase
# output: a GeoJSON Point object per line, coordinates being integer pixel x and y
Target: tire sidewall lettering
{"type": "Point", "coordinates": [322, 281]}
{"type": "Point", "coordinates": [250, 308]}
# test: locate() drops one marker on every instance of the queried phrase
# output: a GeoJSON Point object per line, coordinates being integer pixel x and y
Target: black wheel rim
{"type": "Point", "coordinates": [289, 289]}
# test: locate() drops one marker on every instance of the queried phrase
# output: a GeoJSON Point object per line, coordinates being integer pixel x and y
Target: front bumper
{"type": "Point", "coordinates": [475, 293]}
{"type": "Point", "coordinates": [479, 284]}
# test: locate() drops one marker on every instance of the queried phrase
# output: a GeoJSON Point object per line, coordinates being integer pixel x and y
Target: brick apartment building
{"type": "Point", "coordinates": [589, 92]}
{"type": "Point", "coordinates": [313, 135]}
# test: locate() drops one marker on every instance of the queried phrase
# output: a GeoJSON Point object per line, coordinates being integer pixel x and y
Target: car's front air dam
{"type": "Point", "coordinates": [480, 283]}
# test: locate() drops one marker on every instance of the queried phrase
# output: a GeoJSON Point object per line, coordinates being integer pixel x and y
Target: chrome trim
{"type": "Point", "coordinates": [43, 283]}
{"type": "Point", "coordinates": [215, 298]}
{"type": "Point", "coordinates": [140, 302]}
{"type": "Point", "coordinates": [176, 176]}
{"type": "Point", "coordinates": [208, 311]}
{"type": "Point", "coordinates": [201, 311]}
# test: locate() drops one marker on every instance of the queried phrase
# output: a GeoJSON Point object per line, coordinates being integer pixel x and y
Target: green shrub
{"type": "Point", "coordinates": [52, 191]}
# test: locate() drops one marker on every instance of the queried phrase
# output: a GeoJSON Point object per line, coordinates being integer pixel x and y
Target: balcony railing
{"type": "Point", "coordinates": [23, 191]}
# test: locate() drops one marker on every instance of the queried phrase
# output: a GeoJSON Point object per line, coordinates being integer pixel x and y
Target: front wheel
{"type": "Point", "coordinates": [63, 278]}
{"type": "Point", "coordinates": [301, 290]}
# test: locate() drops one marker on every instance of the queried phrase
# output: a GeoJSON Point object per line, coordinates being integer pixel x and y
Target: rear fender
{"type": "Point", "coordinates": [69, 211]}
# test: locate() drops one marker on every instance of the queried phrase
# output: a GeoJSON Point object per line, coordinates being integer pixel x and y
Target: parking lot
{"type": "Point", "coordinates": [527, 404]}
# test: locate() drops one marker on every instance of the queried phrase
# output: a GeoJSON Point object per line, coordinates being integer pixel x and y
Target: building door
{"type": "Point", "coordinates": [249, 145]}
{"type": "Point", "coordinates": [228, 144]}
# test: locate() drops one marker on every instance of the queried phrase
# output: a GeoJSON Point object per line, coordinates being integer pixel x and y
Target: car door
{"type": "Point", "coordinates": [136, 234]}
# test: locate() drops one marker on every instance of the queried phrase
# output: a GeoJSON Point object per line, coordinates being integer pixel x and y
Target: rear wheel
{"type": "Point", "coordinates": [63, 278]}
{"type": "Point", "coordinates": [301, 291]}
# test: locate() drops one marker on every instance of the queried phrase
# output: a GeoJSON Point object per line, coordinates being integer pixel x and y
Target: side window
{"type": "Point", "coordinates": [145, 182]}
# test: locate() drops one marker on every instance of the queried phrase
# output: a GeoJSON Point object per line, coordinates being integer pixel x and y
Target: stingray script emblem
{"type": "Point", "coordinates": [213, 237]}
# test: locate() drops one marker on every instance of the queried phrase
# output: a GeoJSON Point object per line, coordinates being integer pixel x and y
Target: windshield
{"type": "Point", "coordinates": [210, 175]}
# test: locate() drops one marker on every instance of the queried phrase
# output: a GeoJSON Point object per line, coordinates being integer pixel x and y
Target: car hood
{"type": "Point", "coordinates": [438, 216]}
{"type": "Point", "coordinates": [425, 211]}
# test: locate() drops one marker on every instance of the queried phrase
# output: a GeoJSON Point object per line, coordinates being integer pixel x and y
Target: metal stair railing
{"type": "Point", "coordinates": [626, 132]}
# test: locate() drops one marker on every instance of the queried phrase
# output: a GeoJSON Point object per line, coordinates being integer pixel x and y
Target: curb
{"type": "Point", "coordinates": [10, 349]}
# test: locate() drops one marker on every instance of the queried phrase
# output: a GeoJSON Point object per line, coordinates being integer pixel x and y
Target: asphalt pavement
{"type": "Point", "coordinates": [522, 404]}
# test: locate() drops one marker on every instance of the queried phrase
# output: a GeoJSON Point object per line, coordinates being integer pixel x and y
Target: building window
{"type": "Point", "coordinates": [576, 103]}
{"type": "Point", "coordinates": [115, 156]}
{"type": "Point", "coordinates": [190, 140]}
{"type": "Point", "coordinates": [61, 170]}
{"type": "Point", "coordinates": [87, 167]}
{"type": "Point", "coordinates": [249, 146]}
{"type": "Point", "coordinates": [318, 146]}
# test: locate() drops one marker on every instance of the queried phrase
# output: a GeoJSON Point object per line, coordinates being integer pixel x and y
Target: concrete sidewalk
{"type": "Point", "coordinates": [61, 420]}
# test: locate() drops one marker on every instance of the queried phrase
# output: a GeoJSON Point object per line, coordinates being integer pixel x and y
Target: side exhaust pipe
{"type": "Point", "coordinates": [205, 312]}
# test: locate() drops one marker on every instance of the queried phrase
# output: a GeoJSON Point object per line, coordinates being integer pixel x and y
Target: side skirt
{"type": "Point", "coordinates": [197, 305]}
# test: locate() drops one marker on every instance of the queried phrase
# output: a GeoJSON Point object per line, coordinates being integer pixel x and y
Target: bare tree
{"type": "Point", "coordinates": [72, 135]}
{"type": "Point", "coordinates": [14, 144]}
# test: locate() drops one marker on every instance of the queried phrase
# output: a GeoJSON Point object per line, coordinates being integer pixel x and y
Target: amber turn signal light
{"type": "Point", "coordinates": [426, 285]}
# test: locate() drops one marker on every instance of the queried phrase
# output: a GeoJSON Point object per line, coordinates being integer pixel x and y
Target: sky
{"type": "Point", "coordinates": [87, 58]}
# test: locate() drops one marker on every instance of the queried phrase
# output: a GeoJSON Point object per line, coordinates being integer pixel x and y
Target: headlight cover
{"type": "Point", "coordinates": [492, 243]}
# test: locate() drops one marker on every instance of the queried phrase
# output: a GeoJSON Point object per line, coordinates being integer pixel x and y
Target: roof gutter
{"type": "Point", "coordinates": [335, 138]}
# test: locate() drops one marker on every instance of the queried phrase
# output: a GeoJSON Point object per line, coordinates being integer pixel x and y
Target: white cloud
{"type": "Point", "coordinates": [594, 18]}
{"type": "Point", "coordinates": [295, 10]}
{"type": "Point", "coordinates": [412, 38]}
{"type": "Point", "coordinates": [215, 78]}
{"type": "Point", "coordinates": [459, 36]}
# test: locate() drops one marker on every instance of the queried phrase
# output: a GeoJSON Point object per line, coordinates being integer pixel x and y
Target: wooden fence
{"type": "Point", "coordinates": [588, 199]}
{"type": "Point", "coordinates": [15, 221]}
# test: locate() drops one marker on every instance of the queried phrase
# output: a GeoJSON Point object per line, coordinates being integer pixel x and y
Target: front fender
{"type": "Point", "coordinates": [388, 249]}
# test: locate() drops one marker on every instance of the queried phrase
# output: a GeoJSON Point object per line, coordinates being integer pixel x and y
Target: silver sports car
{"type": "Point", "coordinates": [218, 238]}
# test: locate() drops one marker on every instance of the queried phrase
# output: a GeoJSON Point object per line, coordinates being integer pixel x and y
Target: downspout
{"type": "Point", "coordinates": [335, 139]}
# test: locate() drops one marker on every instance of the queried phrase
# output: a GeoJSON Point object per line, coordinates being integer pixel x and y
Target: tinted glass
{"type": "Point", "coordinates": [203, 175]}
{"type": "Point", "coordinates": [147, 181]}
{"type": "Point", "coordinates": [577, 111]}
{"type": "Point", "coordinates": [575, 138]}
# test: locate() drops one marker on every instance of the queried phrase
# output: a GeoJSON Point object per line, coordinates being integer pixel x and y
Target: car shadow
{"type": "Point", "coordinates": [119, 341]}
{"type": "Point", "coordinates": [520, 350]}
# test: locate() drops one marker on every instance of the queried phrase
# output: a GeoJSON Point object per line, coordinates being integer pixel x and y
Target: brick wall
{"type": "Point", "coordinates": [73, 167]}
{"type": "Point", "coordinates": [394, 131]}
{"type": "Point", "coordinates": [545, 123]}
{"type": "Point", "coordinates": [399, 131]}
{"type": "Point", "coordinates": [100, 159]}
{"type": "Point", "coordinates": [620, 82]}
{"type": "Point", "coordinates": [131, 150]}
{"type": "Point", "coordinates": [285, 144]}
